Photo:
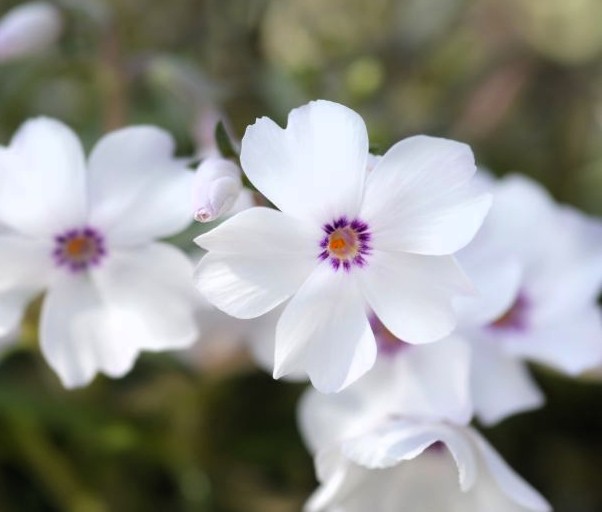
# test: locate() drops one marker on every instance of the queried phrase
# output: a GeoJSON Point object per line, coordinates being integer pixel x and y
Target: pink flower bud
{"type": "Point", "coordinates": [217, 186]}
{"type": "Point", "coordinates": [28, 29]}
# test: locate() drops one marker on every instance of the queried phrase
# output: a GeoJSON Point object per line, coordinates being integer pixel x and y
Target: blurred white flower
{"type": "Point", "coordinates": [389, 442]}
{"type": "Point", "coordinates": [86, 233]}
{"type": "Point", "coordinates": [418, 471]}
{"type": "Point", "coordinates": [537, 267]}
{"type": "Point", "coordinates": [217, 190]}
{"type": "Point", "coordinates": [344, 238]}
{"type": "Point", "coordinates": [28, 29]}
{"type": "Point", "coordinates": [225, 339]}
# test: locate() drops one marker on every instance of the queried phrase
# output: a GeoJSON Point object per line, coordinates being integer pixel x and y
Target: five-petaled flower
{"type": "Point", "coordinates": [87, 235]}
{"type": "Point", "coordinates": [344, 238]}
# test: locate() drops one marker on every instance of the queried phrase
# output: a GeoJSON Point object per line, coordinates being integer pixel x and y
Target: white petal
{"type": "Point", "coordinates": [263, 231]}
{"type": "Point", "coordinates": [403, 440]}
{"type": "Point", "coordinates": [244, 201]}
{"type": "Point", "coordinates": [428, 483]}
{"type": "Point", "coordinates": [258, 258]}
{"type": "Point", "coordinates": [24, 262]}
{"type": "Point", "coordinates": [568, 277]}
{"type": "Point", "coordinates": [324, 332]}
{"type": "Point", "coordinates": [139, 191]}
{"type": "Point", "coordinates": [315, 167]}
{"type": "Point", "coordinates": [149, 295]}
{"type": "Point", "coordinates": [412, 294]}
{"type": "Point", "coordinates": [73, 334]}
{"type": "Point", "coordinates": [25, 268]}
{"type": "Point", "coordinates": [497, 280]}
{"type": "Point", "coordinates": [572, 344]}
{"type": "Point", "coordinates": [42, 179]}
{"type": "Point", "coordinates": [508, 481]}
{"type": "Point", "coordinates": [12, 308]}
{"type": "Point", "coordinates": [140, 300]}
{"type": "Point", "coordinates": [433, 381]}
{"type": "Point", "coordinates": [324, 420]}
{"type": "Point", "coordinates": [501, 384]}
{"type": "Point", "coordinates": [260, 338]}
{"type": "Point", "coordinates": [345, 479]}
{"type": "Point", "coordinates": [419, 198]}
{"type": "Point", "coordinates": [523, 213]}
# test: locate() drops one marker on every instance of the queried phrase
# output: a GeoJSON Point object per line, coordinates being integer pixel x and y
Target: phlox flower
{"type": "Point", "coordinates": [398, 439]}
{"type": "Point", "coordinates": [85, 232]}
{"type": "Point", "coordinates": [537, 268]}
{"type": "Point", "coordinates": [344, 239]}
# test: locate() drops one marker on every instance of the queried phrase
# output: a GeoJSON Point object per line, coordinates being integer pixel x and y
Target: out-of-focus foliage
{"type": "Point", "coordinates": [521, 81]}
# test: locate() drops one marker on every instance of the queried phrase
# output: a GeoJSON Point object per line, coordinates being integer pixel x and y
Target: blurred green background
{"type": "Point", "coordinates": [519, 80]}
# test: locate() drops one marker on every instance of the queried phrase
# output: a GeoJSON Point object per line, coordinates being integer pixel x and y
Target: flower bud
{"type": "Point", "coordinates": [217, 186]}
{"type": "Point", "coordinates": [28, 29]}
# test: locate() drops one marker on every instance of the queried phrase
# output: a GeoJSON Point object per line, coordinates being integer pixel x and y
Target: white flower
{"type": "Point", "coordinates": [389, 442]}
{"type": "Point", "coordinates": [218, 190]}
{"type": "Point", "coordinates": [86, 233]}
{"type": "Point", "coordinates": [224, 338]}
{"type": "Point", "coordinates": [28, 29]}
{"type": "Point", "coordinates": [537, 268]}
{"type": "Point", "coordinates": [420, 473]}
{"type": "Point", "coordinates": [344, 238]}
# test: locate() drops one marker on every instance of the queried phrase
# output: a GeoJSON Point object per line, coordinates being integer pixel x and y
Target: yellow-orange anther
{"type": "Point", "coordinates": [77, 246]}
{"type": "Point", "coordinates": [337, 244]}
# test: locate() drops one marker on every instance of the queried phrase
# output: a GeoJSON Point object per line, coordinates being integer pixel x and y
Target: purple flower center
{"type": "Point", "coordinates": [345, 244]}
{"type": "Point", "coordinates": [79, 248]}
{"type": "Point", "coordinates": [516, 318]}
{"type": "Point", "coordinates": [387, 343]}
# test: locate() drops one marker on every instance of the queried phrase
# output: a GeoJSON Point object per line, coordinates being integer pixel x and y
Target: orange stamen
{"type": "Point", "coordinates": [77, 246]}
{"type": "Point", "coordinates": [337, 244]}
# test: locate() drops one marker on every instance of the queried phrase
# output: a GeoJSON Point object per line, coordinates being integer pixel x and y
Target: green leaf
{"type": "Point", "coordinates": [225, 145]}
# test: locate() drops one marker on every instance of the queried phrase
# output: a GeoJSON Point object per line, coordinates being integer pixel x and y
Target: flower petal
{"type": "Point", "coordinates": [433, 380]}
{"type": "Point", "coordinates": [497, 281]}
{"type": "Point", "coordinates": [139, 191]}
{"type": "Point", "coordinates": [24, 262]}
{"type": "Point", "coordinates": [501, 384]}
{"type": "Point", "coordinates": [326, 419]}
{"type": "Point", "coordinates": [42, 179]}
{"type": "Point", "coordinates": [140, 300]}
{"type": "Point", "coordinates": [343, 479]}
{"type": "Point", "coordinates": [511, 484]}
{"type": "Point", "coordinates": [419, 198]}
{"type": "Point", "coordinates": [315, 167]}
{"type": "Point", "coordinates": [573, 344]}
{"type": "Point", "coordinates": [258, 259]}
{"type": "Point", "coordinates": [12, 308]}
{"type": "Point", "coordinates": [73, 334]}
{"type": "Point", "coordinates": [402, 440]}
{"type": "Point", "coordinates": [324, 332]}
{"type": "Point", "coordinates": [263, 231]}
{"type": "Point", "coordinates": [523, 220]}
{"type": "Point", "coordinates": [412, 294]}
{"type": "Point", "coordinates": [150, 297]}
{"type": "Point", "coordinates": [25, 270]}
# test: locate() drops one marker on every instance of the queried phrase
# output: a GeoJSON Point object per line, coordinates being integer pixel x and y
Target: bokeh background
{"type": "Point", "coordinates": [519, 80]}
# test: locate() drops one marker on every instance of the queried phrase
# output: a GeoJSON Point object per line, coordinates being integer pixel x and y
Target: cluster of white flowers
{"type": "Point", "coordinates": [408, 290]}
